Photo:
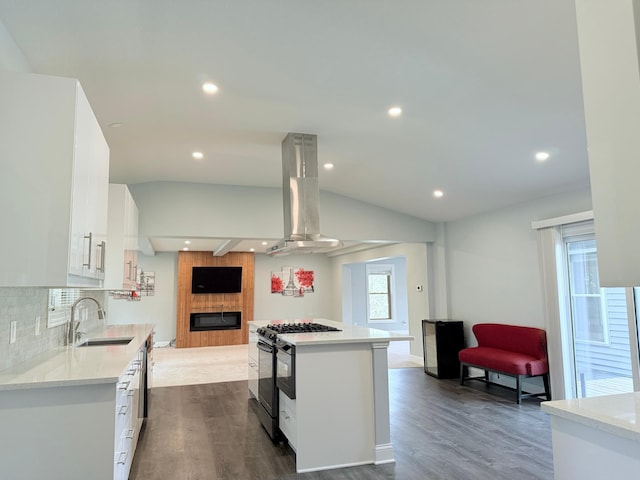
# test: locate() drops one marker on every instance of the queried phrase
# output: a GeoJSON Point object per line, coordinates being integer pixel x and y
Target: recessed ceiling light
{"type": "Point", "coordinates": [115, 124]}
{"type": "Point", "coordinates": [252, 249]}
{"type": "Point", "coordinates": [187, 242]}
{"type": "Point", "coordinates": [542, 156]}
{"type": "Point", "coordinates": [395, 111]}
{"type": "Point", "coordinates": [264, 244]}
{"type": "Point", "coordinates": [198, 155]}
{"type": "Point", "coordinates": [209, 88]}
{"type": "Point", "coordinates": [328, 166]}
{"type": "Point", "coordinates": [438, 193]}
{"type": "Point", "coordinates": [185, 249]}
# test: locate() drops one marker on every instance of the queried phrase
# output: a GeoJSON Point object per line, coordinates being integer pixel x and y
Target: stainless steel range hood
{"type": "Point", "coordinates": [301, 198]}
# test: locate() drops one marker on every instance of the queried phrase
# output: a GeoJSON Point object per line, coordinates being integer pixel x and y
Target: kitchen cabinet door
{"type": "Point", "coordinates": [253, 362]}
{"type": "Point", "coordinates": [122, 255]}
{"type": "Point", "coordinates": [609, 65]}
{"type": "Point", "coordinates": [55, 166]}
{"type": "Point", "coordinates": [90, 194]}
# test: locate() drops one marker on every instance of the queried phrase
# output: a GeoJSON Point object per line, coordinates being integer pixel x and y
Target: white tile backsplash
{"type": "Point", "coordinates": [23, 305]}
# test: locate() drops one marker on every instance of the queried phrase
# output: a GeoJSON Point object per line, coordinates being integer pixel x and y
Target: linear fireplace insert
{"type": "Point", "coordinates": [215, 321]}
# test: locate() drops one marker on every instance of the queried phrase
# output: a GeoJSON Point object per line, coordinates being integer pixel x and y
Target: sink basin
{"type": "Point", "coordinates": [97, 342]}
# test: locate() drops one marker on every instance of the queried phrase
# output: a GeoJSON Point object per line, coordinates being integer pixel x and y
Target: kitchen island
{"type": "Point", "coordinates": [340, 414]}
{"type": "Point", "coordinates": [75, 412]}
{"type": "Point", "coordinates": [595, 438]}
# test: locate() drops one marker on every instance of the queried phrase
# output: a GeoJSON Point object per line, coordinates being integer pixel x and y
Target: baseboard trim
{"type": "Point", "coordinates": [384, 454]}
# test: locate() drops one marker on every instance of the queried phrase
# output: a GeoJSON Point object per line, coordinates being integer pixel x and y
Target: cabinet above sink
{"type": "Point", "coordinates": [54, 184]}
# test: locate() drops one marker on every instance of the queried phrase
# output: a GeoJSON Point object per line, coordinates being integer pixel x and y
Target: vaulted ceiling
{"type": "Point", "coordinates": [483, 86]}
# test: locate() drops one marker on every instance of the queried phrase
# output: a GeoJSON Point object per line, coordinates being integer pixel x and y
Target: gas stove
{"type": "Point", "coordinates": [271, 331]}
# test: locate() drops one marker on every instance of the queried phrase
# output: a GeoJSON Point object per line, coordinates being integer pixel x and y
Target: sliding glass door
{"type": "Point", "coordinates": [598, 323]}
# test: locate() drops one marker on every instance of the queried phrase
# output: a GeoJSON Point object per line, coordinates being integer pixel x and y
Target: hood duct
{"type": "Point", "coordinates": [301, 198]}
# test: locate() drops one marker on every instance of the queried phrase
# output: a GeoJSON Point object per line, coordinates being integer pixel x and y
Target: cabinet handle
{"type": "Point", "coordinates": [124, 385]}
{"type": "Point", "coordinates": [88, 264]}
{"type": "Point", "coordinates": [128, 433]}
{"type": "Point", "coordinates": [122, 458]}
{"type": "Point", "coordinates": [123, 410]}
{"type": "Point", "coordinates": [103, 247]}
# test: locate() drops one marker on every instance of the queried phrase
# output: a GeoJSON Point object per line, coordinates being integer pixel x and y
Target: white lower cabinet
{"type": "Point", "coordinates": [253, 361]}
{"type": "Point", "coordinates": [71, 432]}
{"type": "Point", "coordinates": [288, 421]}
{"type": "Point", "coordinates": [127, 423]}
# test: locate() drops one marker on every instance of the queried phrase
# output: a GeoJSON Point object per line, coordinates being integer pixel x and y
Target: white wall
{"type": "Point", "coordinates": [268, 306]}
{"type": "Point", "coordinates": [416, 265]}
{"type": "Point", "coordinates": [355, 290]}
{"type": "Point", "coordinates": [11, 57]}
{"type": "Point", "coordinates": [492, 262]}
{"type": "Point", "coordinates": [159, 309]}
{"type": "Point", "coordinates": [219, 211]}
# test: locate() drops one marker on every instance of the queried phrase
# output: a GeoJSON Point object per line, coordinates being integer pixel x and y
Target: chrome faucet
{"type": "Point", "coordinates": [72, 331]}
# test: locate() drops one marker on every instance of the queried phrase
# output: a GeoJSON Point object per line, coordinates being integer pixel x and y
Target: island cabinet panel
{"type": "Point", "coordinates": [215, 303]}
{"type": "Point", "coordinates": [54, 182]}
{"type": "Point", "coordinates": [333, 414]}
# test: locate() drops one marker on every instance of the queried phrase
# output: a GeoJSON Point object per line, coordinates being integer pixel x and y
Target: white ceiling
{"type": "Point", "coordinates": [483, 86]}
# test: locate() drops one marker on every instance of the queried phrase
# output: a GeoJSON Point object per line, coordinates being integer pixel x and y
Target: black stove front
{"type": "Point", "coordinates": [268, 393]}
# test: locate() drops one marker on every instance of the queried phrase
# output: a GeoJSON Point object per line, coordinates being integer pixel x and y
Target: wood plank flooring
{"type": "Point", "coordinates": [440, 431]}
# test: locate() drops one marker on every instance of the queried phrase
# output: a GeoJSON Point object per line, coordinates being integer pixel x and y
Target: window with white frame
{"type": "Point", "coordinates": [590, 319]}
{"type": "Point", "coordinates": [380, 293]}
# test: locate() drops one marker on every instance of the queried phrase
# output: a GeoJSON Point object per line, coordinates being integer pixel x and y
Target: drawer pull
{"type": "Point", "coordinates": [122, 458]}
{"type": "Point", "coordinates": [128, 433]}
{"type": "Point", "coordinates": [124, 385]}
{"type": "Point", "coordinates": [123, 409]}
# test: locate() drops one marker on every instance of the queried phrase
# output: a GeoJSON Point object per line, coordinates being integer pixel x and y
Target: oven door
{"type": "Point", "coordinates": [286, 369]}
{"type": "Point", "coordinates": [266, 383]}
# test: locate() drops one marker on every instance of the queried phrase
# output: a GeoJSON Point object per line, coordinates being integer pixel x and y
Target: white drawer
{"type": "Point", "coordinates": [287, 420]}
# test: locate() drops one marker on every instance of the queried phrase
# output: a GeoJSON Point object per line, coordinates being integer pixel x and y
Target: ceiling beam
{"type": "Point", "coordinates": [225, 247]}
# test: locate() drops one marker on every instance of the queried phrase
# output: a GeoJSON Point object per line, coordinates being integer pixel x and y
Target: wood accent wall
{"type": "Point", "coordinates": [213, 302]}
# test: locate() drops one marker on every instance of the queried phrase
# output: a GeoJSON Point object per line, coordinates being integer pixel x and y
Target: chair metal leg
{"type": "Point", "coordinates": [518, 389]}
{"type": "Point", "coordinates": [461, 373]}
{"type": "Point", "coordinates": [547, 389]}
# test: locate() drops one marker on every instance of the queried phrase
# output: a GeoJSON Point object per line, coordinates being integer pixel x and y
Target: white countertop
{"type": "Point", "coordinates": [79, 365]}
{"type": "Point", "coordinates": [348, 333]}
{"type": "Point", "coordinates": [616, 414]}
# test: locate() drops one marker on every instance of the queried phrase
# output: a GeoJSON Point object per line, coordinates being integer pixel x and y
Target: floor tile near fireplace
{"type": "Point", "coordinates": [194, 366]}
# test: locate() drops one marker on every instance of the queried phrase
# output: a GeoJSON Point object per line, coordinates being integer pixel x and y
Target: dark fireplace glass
{"type": "Point", "coordinates": [215, 321]}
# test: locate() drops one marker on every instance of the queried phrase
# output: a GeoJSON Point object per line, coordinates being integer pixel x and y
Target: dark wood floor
{"type": "Point", "coordinates": [440, 431]}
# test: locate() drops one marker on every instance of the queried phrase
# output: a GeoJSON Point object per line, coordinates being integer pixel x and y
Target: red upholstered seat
{"type": "Point", "coordinates": [509, 349]}
{"type": "Point", "coordinates": [501, 360]}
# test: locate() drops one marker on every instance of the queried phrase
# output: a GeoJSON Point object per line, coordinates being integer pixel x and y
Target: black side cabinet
{"type": "Point", "coordinates": [441, 342]}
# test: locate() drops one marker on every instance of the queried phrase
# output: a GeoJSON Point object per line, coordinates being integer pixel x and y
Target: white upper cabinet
{"type": "Point", "coordinates": [122, 254]}
{"type": "Point", "coordinates": [608, 44]}
{"type": "Point", "coordinates": [54, 184]}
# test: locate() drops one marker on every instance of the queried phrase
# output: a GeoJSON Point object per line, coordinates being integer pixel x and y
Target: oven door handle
{"type": "Point", "coordinates": [265, 347]}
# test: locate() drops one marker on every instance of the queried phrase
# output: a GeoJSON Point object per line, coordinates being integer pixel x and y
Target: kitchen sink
{"type": "Point", "coordinates": [97, 342]}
